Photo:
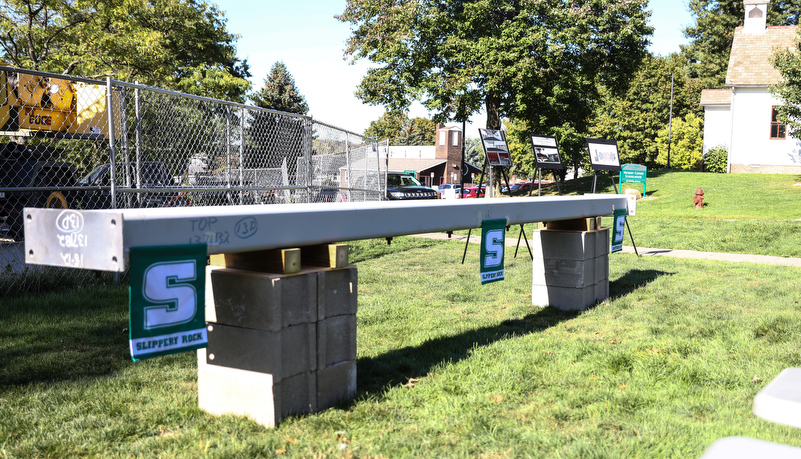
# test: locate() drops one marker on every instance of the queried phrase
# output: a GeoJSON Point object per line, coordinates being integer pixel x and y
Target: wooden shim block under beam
{"type": "Point", "coordinates": [325, 255]}
{"type": "Point", "coordinates": [281, 261]}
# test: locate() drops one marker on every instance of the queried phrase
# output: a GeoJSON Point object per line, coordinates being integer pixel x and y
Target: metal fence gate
{"type": "Point", "coordinates": [88, 144]}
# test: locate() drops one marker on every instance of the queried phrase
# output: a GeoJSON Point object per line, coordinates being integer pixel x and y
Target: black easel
{"type": "Point", "coordinates": [539, 193]}
{"type": "Point", "coordinates": [614, 186]}
{"type": "Point", "coordinates": [478, 193]}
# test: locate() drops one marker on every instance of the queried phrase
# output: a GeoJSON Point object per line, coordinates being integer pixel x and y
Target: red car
{"type": "Point", "coordinates": [472, 191]}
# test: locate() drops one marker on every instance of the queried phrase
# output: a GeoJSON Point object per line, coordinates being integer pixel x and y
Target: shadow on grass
{"type": "Point", "coordinates": [396, 367]}
{"type": "Point", "coordinates": [634, 280]}
{"type": "Point", "coordinates": [59, 337]}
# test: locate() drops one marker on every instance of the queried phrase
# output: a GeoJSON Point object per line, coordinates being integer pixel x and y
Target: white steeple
{"type": "Point", "coordinates": [756, 14]}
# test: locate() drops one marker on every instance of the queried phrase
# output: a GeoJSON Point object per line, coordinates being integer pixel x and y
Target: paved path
{"type": "Point", "coordinates": [651, 252]}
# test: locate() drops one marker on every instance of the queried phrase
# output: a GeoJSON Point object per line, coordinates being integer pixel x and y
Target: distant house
{"type": "Point", "coordinates": [434, 164]}
{"type": "Point", "coordinates": [742, 117]}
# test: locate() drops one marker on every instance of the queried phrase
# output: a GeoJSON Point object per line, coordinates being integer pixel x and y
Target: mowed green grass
{"type": "Point", "coordinates": [446, 367]}
{"type": "Point", "coordinates": [756, 214]}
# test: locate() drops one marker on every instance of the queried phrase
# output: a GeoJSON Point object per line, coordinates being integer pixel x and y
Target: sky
{"type": "Point", "coordinates": [305, 36]}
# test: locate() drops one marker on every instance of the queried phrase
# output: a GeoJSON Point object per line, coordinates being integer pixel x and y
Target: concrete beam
{"type": "Point", "coordinates": [100, 239]}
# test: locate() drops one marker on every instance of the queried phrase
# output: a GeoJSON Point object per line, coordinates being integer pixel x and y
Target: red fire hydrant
{"type": "Point", "coordinates": [698, 200]}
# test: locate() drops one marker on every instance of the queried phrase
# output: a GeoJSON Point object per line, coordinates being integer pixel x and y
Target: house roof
{"type": "Point", "coordinates": [751, 53]}
{"type": "Point", "coordinates": [413, 164]}
{"type": "Point", "coordinates": [715, 97]}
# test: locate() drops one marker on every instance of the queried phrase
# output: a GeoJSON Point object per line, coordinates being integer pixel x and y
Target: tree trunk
{"type": "Point", "coordinates": [493, 117]}
{"type": "Point", "coordinates": [494, 122]}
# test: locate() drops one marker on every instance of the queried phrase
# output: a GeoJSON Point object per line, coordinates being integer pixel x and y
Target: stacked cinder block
{"type": "Point", "coordinates": [279, 344]}
{"type": "Point", "coordinates": [570, 268]}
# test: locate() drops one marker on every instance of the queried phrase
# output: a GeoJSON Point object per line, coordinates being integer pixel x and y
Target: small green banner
{"type": "Point", "coordinates": [493, 235]}
{"type": "Point", "coordinates": [167, 300]}
{"type": "Point", "coordinates": [618, 230]}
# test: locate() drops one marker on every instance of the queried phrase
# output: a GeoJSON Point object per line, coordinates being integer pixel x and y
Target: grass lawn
{"type": "Point", "coordinates": [447, 367]}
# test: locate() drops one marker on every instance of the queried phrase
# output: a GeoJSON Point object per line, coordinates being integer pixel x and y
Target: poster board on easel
{"type": "Point", "coordinates": [546, 152]}
{"type": "Point", "coordinates": [495, 147]}
{"type": "Point", "coordinates": [496, 153]}
{"type": "Point", "coordinates": [604, 156]}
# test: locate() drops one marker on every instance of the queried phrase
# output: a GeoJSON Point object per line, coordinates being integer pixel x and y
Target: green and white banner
{"type": "Point", "coordinates": [618, 230]}
{"type": "Point", "coordinates": [493, 235]}
{"type": "Point", "coordinates": [167, 300]}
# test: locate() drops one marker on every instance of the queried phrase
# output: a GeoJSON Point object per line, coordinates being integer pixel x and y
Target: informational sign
{"type": "Point", "coordinates": [618, 230]}
{"type": "Point", "coordinates": [495, 147]}
{"type": "Point", "coordinates": [493, 243]}
{"type": "Point", "coordinates": [167, 300]}
{"type": "Point", "coordinates": [603, 155]}
{"type": "Point", "coordinates": [546, 150]}
{"type": "Point", "coordinates": [633, 173]}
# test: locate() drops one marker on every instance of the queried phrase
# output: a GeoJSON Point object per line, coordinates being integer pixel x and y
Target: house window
{"type": "Point", "coordinates": [778, 130]}
{"type": "Point", "coordinates": [442, 137]}
{"type": "Point", "coordinates": [455, 138]}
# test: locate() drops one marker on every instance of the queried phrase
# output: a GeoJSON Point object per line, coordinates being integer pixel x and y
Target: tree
{"type": "Point", "coordinates": [687, 140]}
{"type": "Point", "coordinates": [400, 130]}
{"type": "Point", "coordinates": [534, 60]}
{"type": "Point", "coordinates": [280, 93]}
{"type": "Point", "coordinates": [635, 118]}
{"type": "Point", "coordinates": [713, 32]}
{"type": "Point", "coordinates": [788, 63]}
{"type": "Point", "coordinates": [176, 44]}
{"type": "Point", "coordinates": [274, 138]}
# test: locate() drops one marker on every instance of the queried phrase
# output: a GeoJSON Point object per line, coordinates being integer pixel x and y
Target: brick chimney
{"type": "Point", "coordinates": [449, 147]}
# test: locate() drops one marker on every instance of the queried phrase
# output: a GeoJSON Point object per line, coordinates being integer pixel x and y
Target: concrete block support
{"type": "Point", "coordinates": [571, 268]}
{"type": "Point", "coordinates": [279, 344]}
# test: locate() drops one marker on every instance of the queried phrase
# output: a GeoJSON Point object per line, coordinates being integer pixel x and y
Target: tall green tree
{"type": "Point", "coordinates": [280, 92]}
{"type": "Point", "coordinates": [176, 44]}
{"type": "Point", "coordinates": [399, 129]}
{"type": "Point", "coordinates": [636, 118]}
{"type": "Point", "coordinates": [788, 63]}
{"type": "Point", "coordinates": [713, 32]}
{"type": "Point", "coordinates": [274, 139]}
{"type": "Point", "coordinates": [536, 60]}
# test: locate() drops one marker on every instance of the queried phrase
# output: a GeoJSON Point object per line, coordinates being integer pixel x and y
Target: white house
{"type": "Point", "coordinates": [742, 117]}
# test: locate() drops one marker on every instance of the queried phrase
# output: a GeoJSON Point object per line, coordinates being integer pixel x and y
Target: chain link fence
{"type": "Point", "coordinates": [69, 142]}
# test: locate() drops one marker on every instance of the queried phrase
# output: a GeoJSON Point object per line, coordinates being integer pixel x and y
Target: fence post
{"type": "Point", "coordinates": [241, 154]}
{"type": "Point", "coordinates": [126, 152]}
{"type": "Point", "coordinates": [138, 139]}
{"type": "Point", "coordinates": [307, 153]}
{"type": "Point", "coordinates": [228, 151]}
{"type": "Point", "coordinates": [111, 144]}
{"type": "Point", "coordinates": [347, 160]}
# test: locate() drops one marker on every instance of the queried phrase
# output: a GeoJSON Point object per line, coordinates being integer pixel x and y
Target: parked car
{"type": "Point", "coordinates": [473, 191]}
{"type": "Point", "coordinates": [402, 186]}
{"type": "Point", "coordinates": [448, 186]}
{"type": "Point", "coordinates": [521, 188]}
{"type": "Point", "coordinates": [150, 175]}
{"type": "Point", "coordinates": [24, 174]}
{"type": "Point", "coordinates": [446, 189]}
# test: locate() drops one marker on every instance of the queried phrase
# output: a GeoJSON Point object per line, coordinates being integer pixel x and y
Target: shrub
{"type": "Point", "coordinates": [715, 159]}
{"type": "Point", "coordinates": [687, 144]}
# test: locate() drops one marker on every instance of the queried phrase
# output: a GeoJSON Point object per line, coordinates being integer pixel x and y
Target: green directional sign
{"type": "Point", "coordinates": [493, 235]}
{"type": "Point", "coordinates": [167, 293]}
{"type": "Point", "coordinates": [618, 230]}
